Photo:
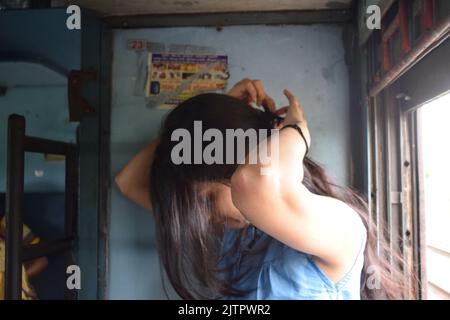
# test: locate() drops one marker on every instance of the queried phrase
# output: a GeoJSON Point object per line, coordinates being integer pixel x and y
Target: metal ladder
{"type": "Point", "coordinates": [16, 253]}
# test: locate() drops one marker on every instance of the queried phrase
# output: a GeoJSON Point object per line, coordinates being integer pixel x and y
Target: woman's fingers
{"type": "Point", "coordinates": [295, 116]}
{"type": "Point", "coordinates": [281, 111]}
{"type": "Point", "coordinates": [295, 108]}
{"type": "Point", "coordinates": [292, 100]}
{"type": "Point", "coordinates": [295, 113]}
{"type": "Point", "coordinates": [269, 104]}
{"type": "Point", "coordinates": [244, 90]}
{"type": "Point", "coordinates": [262, 99]}
{"type": "Point", "coordinates": [251, 90]}
{"type": "Point", "coordinates": [260, 92]}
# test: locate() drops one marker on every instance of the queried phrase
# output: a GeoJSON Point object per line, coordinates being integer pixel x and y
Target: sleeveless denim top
{"type": "Point", "coordinates": [282, 272]}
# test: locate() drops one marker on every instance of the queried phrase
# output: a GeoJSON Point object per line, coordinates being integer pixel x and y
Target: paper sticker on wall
{"type": "Point", "coordinates": [173, 78]}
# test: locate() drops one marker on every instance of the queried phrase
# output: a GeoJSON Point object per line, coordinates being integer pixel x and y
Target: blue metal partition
{"type": "Point", "coordinates": [43, 57]}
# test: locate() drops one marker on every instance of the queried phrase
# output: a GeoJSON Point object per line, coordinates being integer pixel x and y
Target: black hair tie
{"type": "Point", "coordinates": [299, 130]}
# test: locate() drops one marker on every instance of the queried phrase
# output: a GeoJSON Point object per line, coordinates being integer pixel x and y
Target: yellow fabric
{"type": "Point", "coordinates": [27, 291]}
{"type": "Point", "coordinates": [35, 240]}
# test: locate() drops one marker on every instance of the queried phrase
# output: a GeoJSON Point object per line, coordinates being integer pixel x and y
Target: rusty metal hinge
{"type": "Point", "coordinates": [396, 197]}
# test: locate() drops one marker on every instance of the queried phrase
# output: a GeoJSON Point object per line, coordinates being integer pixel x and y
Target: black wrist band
{"type": "Point", "coordinates": [299, 130]}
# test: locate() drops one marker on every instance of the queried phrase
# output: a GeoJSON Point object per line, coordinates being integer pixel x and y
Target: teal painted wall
{"type": "Point", "coordinates": [36, 92]}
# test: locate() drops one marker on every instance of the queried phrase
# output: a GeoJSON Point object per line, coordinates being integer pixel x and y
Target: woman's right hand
{"type": "Point", "coordinates": [251, 91]}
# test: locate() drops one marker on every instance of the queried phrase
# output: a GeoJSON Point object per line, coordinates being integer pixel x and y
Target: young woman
{"type": "Point", "coordinates": [228, 231]}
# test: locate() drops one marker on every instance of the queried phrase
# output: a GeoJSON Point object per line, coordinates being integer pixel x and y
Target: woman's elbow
{"type": "Point", "coordinates": [121, 184]}
{"type": "Point", "coordinates": [137, 195]}
{"type": "Point", "coordinates": [253, 188]}
{"type": "Point", "coordinates": [248, 185]}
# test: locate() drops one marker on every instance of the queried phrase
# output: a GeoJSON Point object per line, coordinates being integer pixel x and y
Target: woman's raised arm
{"type": "Point", "coordinates": [134, 179]}
{"type": "Point", "coordinates": [280, 205]}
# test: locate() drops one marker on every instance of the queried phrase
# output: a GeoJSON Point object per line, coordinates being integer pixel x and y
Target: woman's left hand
{"type": "Point", "coordinates": [295, 115]}
{"type": "Point", "coordinates": [253, 91]}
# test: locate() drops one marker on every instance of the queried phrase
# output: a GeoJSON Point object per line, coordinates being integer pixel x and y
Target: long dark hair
{"type": "Point", "coordinates": [186, 221]}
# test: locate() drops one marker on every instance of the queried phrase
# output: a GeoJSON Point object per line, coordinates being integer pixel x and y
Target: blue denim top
{"type": "Point", "coordinates": [283, 272]}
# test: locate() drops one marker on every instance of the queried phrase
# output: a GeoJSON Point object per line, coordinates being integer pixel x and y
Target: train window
{"type": "Point", "coordinates": [433, 133]}
{"type": "Point", "coordinates": [409, 199]}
